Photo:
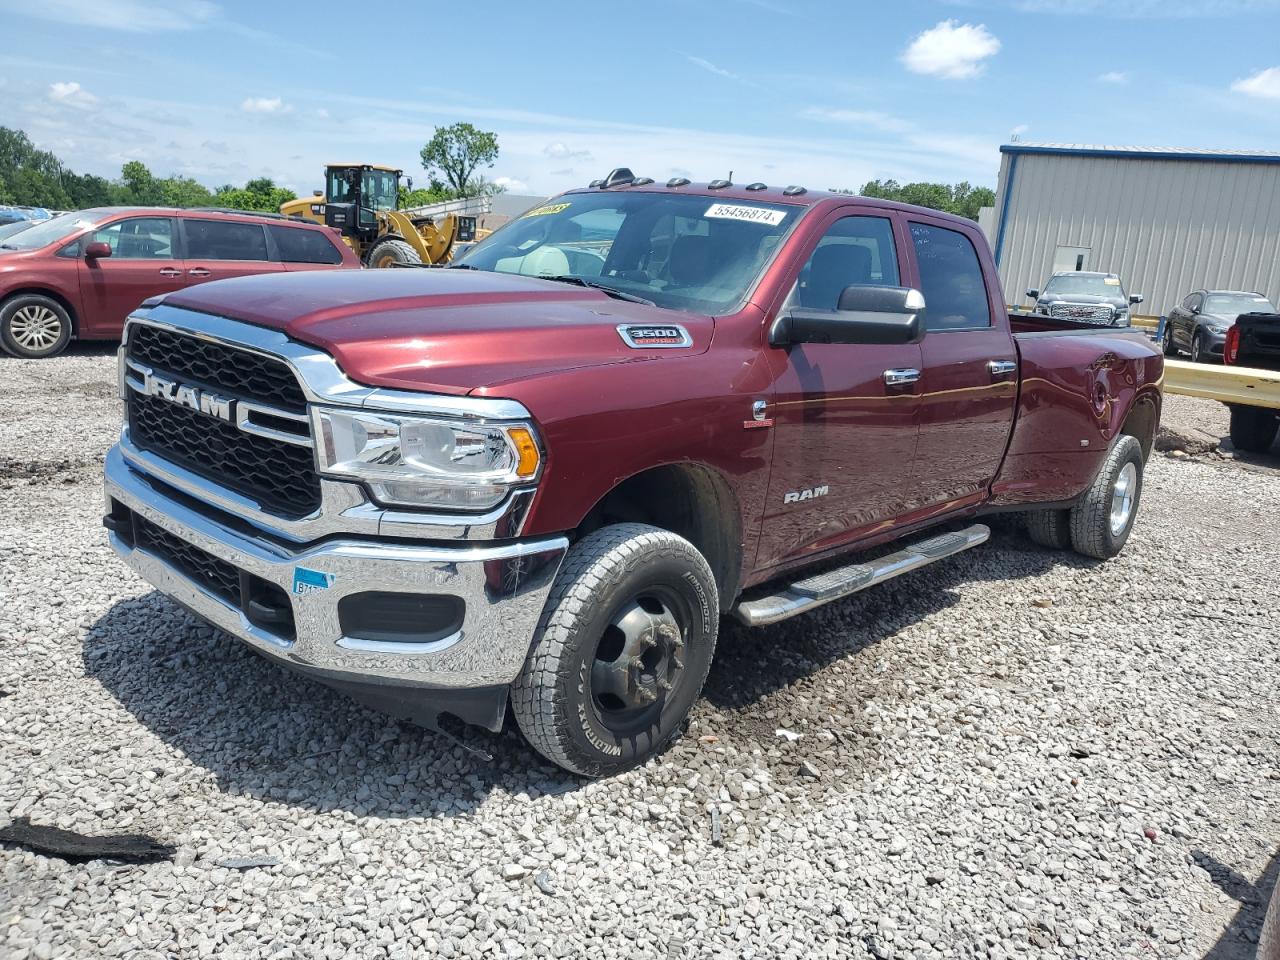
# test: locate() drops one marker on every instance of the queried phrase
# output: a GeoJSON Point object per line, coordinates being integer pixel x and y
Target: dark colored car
{"type": "Point", "coordinates": [1085, 297]}
{"type": "Point", "coordinates": [538, 477]}
{"type": "Point", "coordinates": [80, 274]}
{"type": "Point", "coordinates": [1254, 341]}
{"type": "Point", "coordinates": [1199, 324]}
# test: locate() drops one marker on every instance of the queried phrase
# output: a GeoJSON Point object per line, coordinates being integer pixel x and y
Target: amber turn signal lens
{"type": "Point", "coordinates": [528, 451]}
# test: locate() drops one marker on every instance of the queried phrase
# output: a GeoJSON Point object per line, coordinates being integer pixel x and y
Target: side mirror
{"type": "Point", "coordinates": [1195, 309]}
{"type": "Point", "coordinates": [1136, 298]}
{"type": "Point", "coordinates": [1033, 294]}
{"type": "Point", "coordinates": [863, 314]}
{"type": "Point", "coordinates": [97, 250]}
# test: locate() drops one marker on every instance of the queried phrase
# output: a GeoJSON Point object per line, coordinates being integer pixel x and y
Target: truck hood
{"type": "Point", "coordinates": [444, 331]}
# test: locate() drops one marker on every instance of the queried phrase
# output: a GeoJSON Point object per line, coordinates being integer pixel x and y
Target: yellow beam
{"type": "Point", "coordinates": [1247, 385]}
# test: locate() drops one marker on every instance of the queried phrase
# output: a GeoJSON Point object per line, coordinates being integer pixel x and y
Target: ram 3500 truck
{"type": "Point", "coordinates": [539, 477]}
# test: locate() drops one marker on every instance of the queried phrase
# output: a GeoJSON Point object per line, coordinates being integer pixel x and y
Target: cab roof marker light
{"type": "Point", "coordinates": [619, 177]}
{"type": "Point", "coordinates": [719, 184]}
{"type": "Point", "coordinates": [596, 183]}
{"type": "Point", "coordinates": [793, 191]}
{"type": "Point", "coordinates": [641, 181]}
{"type": "Point", "coordinates": [757, 186]}
{"type": "Point", "coordinates": [678, 182]}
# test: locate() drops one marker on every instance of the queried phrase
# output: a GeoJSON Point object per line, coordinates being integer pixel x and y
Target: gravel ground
{"type": "Point", "coordinates": [1014, 753]}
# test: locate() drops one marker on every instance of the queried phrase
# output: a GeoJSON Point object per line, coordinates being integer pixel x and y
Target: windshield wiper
{"type": "Point", "coordinates": [462, 266]}
{"type": "Point", "coordinates": [603, 287]}
{"type": "Point", "coordinates": [5, 246]}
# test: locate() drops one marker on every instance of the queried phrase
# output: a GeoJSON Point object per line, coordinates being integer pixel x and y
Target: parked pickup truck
{"type": "Point", "coordinates": [540, 476]}
{"type": "Point", "coordinates": [1097, 299]}
{"type": "Point", "coordinates": [1253, 341]}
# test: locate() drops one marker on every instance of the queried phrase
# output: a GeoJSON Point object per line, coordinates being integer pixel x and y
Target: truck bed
{"type": "Point", "coordinates": [1038, 325]}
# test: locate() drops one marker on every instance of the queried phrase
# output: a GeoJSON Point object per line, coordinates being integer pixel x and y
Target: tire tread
{"type": "Point", "coordinates": [605, 555]}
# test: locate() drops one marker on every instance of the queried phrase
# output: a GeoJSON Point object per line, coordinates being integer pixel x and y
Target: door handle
{"type": "Point", "coordinates": [170, 272]}
{"type": "Point", "coordinates": [901, 375]}
{"type": "Point", "coordinates": [197, 272]}
{"type": "Point", "coordinates": [1002, 368]}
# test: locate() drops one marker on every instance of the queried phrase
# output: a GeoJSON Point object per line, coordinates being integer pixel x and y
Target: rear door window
{"type": "Point", "coordinates": [300, 245]}
{"type": "Point", "coordinates": [955, 292]}
{"type": "Point", "coordinates": [225, 240]}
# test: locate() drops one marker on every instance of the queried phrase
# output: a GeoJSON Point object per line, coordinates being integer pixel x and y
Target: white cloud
{"type": "Point", "coordinates": [512, 185]}
{"type": "Point", "coordinates": [1019, 130]}
{"type": "Point", "coordinates": [558, 151]}
{"type": "Point", "coordinates": [1264, 84]}
{"type": "Point", "coordinates": [133, 16]}
{"type": "Point", "coordinates": [870, 119]}
{"type": "Point", "coordinates": [951, 50]}
{"type": "Point", "coordinates": [322, 113]}
{"type": "Point", "coordinates": [710, 67]}
{"type": "Point", "coordinates": [72, 94]}
{"type": "Point", "coordinates": [1113, 76]}
{"type": "Point", "coordinates": [265, 105]}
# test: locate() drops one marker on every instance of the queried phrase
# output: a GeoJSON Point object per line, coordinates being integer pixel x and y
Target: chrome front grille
{"type": "Point", "coordinates": [231, 416]}
{"type": "Point", "coordinates": [1099, 313]}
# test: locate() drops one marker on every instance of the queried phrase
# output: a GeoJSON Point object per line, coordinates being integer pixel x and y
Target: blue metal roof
{"type": "Point", "coordinates": [1141, 153]}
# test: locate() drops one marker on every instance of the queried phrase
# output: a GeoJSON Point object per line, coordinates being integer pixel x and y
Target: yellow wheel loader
{"type": "Point", "coordinates": [360, 201]}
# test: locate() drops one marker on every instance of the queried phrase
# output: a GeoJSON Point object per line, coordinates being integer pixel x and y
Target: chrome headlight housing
{"type": "Point", "coordinates": [1217, 328]}
{"type": "Point", "coordinates": [425, 461]}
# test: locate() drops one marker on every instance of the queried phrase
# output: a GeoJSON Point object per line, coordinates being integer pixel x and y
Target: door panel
{"type": "Point", "coordinates": [969, 384]}
{"type": "Point", "coordinates": [142, 264]}
{"type": "Point", "coordinates": [844, 440]}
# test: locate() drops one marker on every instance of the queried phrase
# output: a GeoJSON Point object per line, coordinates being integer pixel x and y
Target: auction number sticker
{"type": "Point", "coordinates": [1111, 281]}
{"type": "Point", "coordinates": [733, 211]}
{"type": "Point", "coordinates": [548, 209]}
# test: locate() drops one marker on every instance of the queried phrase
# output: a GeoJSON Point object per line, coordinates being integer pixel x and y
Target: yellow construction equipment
{"type": "Point", "coordinates": [361, 201]}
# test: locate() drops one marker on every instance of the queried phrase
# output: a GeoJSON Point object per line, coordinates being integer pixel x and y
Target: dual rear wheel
{"type": "Point", "coordinates": [1100, 522]}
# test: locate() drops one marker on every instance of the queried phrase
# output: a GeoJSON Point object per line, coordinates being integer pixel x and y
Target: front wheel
{"type": "Point", "coordinates": [1197, 348]}
{"type": "Point", "coordinates": [1170, 348]}
{"type": "Point", "coordinates": [34, 327]}
{"type": "Point", "coordinates": [391, 252]}
{"type": "Point", "coordinates": [1102, 519]}
{"type": "Point", "coordinates": [1253, 429]}
{"type": "Point", "coordinates": [622, 650]}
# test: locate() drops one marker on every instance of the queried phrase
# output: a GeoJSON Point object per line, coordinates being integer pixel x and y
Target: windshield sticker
{"type": "Point", "coordinates": [1111, 281]}
{"type": "Point", "coordinates": [548, 209]}
{"type": "Point", "coordinates": [732, 211]}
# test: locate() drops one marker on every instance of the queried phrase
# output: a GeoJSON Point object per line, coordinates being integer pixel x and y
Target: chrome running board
{"type": "Point", "coordinates": [812, 592]}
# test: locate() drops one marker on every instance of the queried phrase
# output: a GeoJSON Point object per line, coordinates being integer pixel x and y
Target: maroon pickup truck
{"type": "Point", "coordinates": [540, 476]}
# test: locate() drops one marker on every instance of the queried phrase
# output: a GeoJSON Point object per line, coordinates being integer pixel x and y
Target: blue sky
{"type": "Point", "coordinates": [819, 92]}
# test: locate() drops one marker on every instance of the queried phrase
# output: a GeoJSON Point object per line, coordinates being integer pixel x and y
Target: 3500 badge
{"type": "Point", "coordinates": [644, 336]}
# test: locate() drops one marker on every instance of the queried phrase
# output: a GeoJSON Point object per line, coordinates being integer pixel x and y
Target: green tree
{"type": "Point", "coordinates": [456, 152]}
{"type": "Point", "coordinates": [962, 199]}
{"type": "Point", "coordinates": [87, 190]}
{"type": "Point", "coordinates": [184, 192]}
{"type": "Point", "coordinates": [261, 193]}
{"type": "Point", "coordinates": [139, 187]}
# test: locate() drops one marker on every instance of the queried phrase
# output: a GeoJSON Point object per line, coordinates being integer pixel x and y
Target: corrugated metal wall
{"type": "Point", "coordinates": [1166, 226]}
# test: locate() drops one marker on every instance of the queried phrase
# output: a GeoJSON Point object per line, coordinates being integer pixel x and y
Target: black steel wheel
{"type": "Point", "coordinates": [622, 650]}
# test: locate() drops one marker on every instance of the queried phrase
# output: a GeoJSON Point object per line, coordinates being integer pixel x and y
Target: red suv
{"type": "Point", "coordinates": [82, 273]}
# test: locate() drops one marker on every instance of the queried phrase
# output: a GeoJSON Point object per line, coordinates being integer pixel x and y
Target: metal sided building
{"type": "Point", "coordinates": [1167, 221]}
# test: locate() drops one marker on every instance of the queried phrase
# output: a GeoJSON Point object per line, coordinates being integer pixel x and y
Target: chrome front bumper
{"type": "Point", "coordinates": [504, 588]}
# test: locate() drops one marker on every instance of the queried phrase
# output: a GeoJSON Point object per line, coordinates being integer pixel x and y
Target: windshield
{"type": "Point", "coordinates": [9, 229]}
{"type": "Point", "coordinates": [1234, 304]}
{"type": "Point", "coordinates": [379, 190]}
{"type": "Point", "coordinates": [690, 253]}
{"type": "Point", "coordinates": [1085, 285]}
{"type": "Point", "coordinates": [53, 230]}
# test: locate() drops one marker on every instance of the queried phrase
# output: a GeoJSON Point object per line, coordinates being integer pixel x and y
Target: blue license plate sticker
{"type": "Point", "coordinates": [305, 580]}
